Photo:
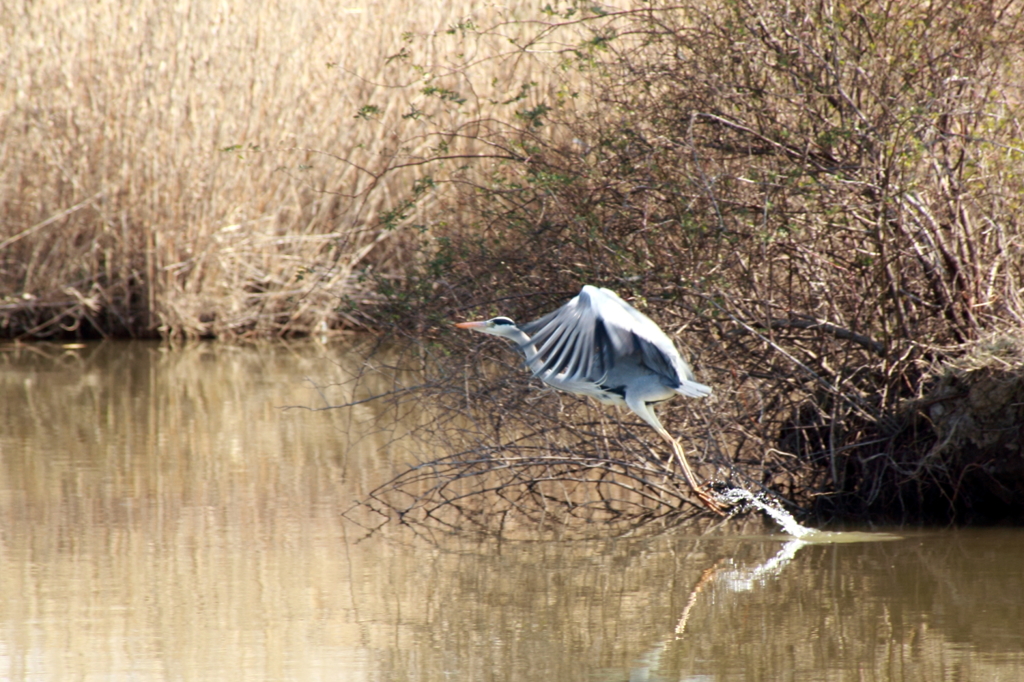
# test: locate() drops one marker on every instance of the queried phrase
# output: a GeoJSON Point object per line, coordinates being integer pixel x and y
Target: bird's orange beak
{"type": "Point", "coordinates": [469, 325]}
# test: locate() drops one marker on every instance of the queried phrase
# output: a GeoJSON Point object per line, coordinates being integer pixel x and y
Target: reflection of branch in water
{"type": "Point", "coordinates": [352, 403]}
{"type": "Point", "coordinates": [739, 580]}
{"type": "Point", "coordinates": [705, 578]}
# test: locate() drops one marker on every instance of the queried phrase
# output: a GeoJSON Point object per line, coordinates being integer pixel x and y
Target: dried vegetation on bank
{"type": "Point", "coordinates": [214, 169]}
{"type": "Point", "coordinates": [821, 200]}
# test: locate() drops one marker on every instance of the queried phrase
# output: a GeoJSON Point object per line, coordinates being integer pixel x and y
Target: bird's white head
{"type": "Point", "coordinates": [498, 326]}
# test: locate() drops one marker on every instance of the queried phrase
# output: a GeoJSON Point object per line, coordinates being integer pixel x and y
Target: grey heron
{"type": "Point", "coordinates": [598, 345]}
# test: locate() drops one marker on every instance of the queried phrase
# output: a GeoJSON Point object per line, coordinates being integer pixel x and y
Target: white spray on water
{"type": "Point", "coordinates": [769, 507]}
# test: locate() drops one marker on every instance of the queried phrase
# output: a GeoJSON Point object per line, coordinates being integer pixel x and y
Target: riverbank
{"type": "Point", "coordinates": [822, 207]}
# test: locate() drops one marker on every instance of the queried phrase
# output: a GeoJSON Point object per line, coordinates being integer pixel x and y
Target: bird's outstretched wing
{"type": "Point", "coordinates": [585, 339]}
{"type": "Point", "coordinates": [569, 342]}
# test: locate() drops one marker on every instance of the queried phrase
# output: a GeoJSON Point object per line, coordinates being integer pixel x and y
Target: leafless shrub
{"type": "Point", "coordinates": [515, 458]}
{"type": "Point", "coordinates": [822, 201]}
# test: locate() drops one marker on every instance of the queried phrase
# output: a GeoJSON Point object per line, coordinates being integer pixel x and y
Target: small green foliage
{"type": "Point", "coordinates": [391, 219]}
{"type": "Point", "coordinates": [368, 111]}
{"type": "Point", "coordinates": [249, 147]}
{"type": "Point", "coordinates": [524, 91]}
{"type": "Point", "coordinates": [440, 149]}
{"type": "Point", "coordinates": [444, 94]}
{"type": "Point", "coordinates": [599, 42]}
{"type": "Point", "coordinates": [551, 11]}
{"type": "Point", "coordinates": [548, 179]}
{"type": "Point", "coordinates": [422, 185]}
{"type": "Point", "coordinates": [401, 55]}
{"type": "Point", "coordinates": [461, 27]}
{"type": "Point", "coordinates": [534, 117]}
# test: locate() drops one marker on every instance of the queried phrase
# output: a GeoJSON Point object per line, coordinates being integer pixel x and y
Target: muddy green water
{"type": "Point", "coordinates": [163, 518]}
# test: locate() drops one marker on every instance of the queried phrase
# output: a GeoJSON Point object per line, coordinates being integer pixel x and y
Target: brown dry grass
{"type": "Point", "coordinates": [200, 169]}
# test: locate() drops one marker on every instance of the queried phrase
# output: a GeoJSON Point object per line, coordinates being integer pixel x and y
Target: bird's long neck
{"type": "Point", "coordinates": [525, 344]}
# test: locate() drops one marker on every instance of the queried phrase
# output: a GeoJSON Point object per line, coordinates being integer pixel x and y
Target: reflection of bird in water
{"type": "Point", "coordinates": [600, 346]}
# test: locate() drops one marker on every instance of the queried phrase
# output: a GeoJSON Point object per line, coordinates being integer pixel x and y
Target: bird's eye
{"type": "Point", "coordinates": [501, 321]}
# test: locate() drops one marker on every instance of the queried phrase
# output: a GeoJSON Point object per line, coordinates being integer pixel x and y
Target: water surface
{"type": "Point", "coordinates": [162, 517]}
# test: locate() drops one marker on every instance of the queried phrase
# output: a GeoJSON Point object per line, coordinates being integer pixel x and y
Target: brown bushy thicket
{"type": "Point", "coordinates": [821, 199]}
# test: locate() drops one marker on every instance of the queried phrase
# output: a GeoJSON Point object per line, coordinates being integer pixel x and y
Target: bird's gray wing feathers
{"type": "Point", "coordinates": [567, 342]}
{"type": "Point", "coordinates": [589, 336]}
{"type": "Point", "coordinates": [656, 350]}
{"type": "Point", "coordinates": [654, 359]}
{"type": "Point", "coordinates": [627, 343]}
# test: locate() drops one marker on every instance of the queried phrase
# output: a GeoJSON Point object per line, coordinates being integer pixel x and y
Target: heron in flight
{"type": "Point", "coordinates": [600, 346]}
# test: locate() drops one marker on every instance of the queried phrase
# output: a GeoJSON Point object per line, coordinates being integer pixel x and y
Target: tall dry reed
{"type": "Point", "coordinates": [219, 168]}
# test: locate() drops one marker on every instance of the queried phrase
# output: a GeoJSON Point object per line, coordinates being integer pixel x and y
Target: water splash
{"type": "Point", "coordinates": [735, 496]}
{"type": "Point", "coordinates": [803, 534]}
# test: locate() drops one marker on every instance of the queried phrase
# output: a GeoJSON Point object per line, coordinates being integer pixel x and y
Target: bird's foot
{"type": "Point", "coordinates": [710, 499]}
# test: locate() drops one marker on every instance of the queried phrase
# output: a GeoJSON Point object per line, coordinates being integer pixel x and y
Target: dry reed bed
{"type": "Point", "coordinates": [202, 169]}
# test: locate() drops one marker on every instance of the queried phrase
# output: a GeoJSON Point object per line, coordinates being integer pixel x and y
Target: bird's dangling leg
{"type": "Point", "coordinates": [643, 410]}
{"type": "Point", "coordinates": [702, 491]}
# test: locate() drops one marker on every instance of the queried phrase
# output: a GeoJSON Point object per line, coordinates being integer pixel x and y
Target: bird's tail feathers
{"type": "Point", "coordinates": [692, 389]}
